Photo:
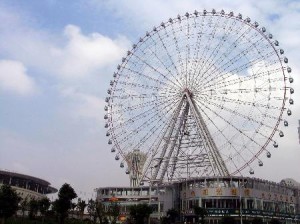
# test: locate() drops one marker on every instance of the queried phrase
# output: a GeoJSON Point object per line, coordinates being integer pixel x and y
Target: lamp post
{"type": "Point", "coordinates": [241, 209]}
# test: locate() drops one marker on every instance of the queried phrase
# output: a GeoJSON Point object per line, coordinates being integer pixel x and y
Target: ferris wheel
{"type": "Point", "coordinates": [202, 94]}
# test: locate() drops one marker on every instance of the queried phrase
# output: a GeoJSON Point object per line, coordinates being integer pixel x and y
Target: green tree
{"type": "Point", "coordinates": [91, 209]}
{"type": "Point", "coordinates": [24, 206]}
{"type": "Point", "coordinates": [114, 211]}
{"type": "Point", "coordinates": [64, 202]}
{"type": "Point", "coordinates": [33, 208]}
{"type": "Point", "coordinates": [257, 221]}
{"type": "Point", "coordinates": [44, 205]}
{"type": "Point", "coordinates": [200, 213]}
{"type": "Point", "coordinates": [172, 215]}
{"type": "Point", "coordinates": [275, 221]}
{"type": "Point", "coordinates": [81, 206]}
{"type": "Point", "coordinates": [9, 201]}
{"type": "Point", "coordinates": [227, 220]}
{"type": "Point", "coordinates": [140, 213]}
{"type": "Point", "coordinates": [100, 212]}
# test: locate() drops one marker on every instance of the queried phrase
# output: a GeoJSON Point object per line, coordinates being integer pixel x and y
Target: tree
{"type": "Point", "coordinates": [100, 212]}
{"type": "Point", "coordinates": [24, 206]}
{"type": "Point", "coordinates": [33, 208]}
{"type": "Point", "coordinates": [200, 213]}
{"type": "Point", "coordinates": [81, 206]}
{"type": "Point", "coordinates": [257, 221]}
{"type": "Point", "coordinates": [140, 213]}
{"type": "Point", "coordinates": [275, 221]}
{"type": "Point", "coordinates": [62, 205]}
{"type": "Point", "coordinates": [9, 201]}
{"type": "Point", "coordinates": [172, 215]}
{"type": "Point", "coordinates": [44, 205]}
{"type": "Point", "coordinates": [114, 211]}
{"type": "Point", "coordinates": [91, 208]}
{"type": "Point", "coordinates": [227, 220]}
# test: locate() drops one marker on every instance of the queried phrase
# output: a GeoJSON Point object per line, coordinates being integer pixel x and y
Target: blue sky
{"type": "Point", "coordinates": [56, 60]}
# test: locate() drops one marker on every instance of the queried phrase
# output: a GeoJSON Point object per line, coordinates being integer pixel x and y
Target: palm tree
{"type": "Point", "coordinates": [81, 206]}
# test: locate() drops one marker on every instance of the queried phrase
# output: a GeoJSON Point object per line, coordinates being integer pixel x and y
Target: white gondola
{"type": "Point", "coordinates": [106, 99]}
{"type": "Point", "coordinates": [281, 51]}
{"type": "Point", "coordinates": [286, 123]}
{"type": "Point", "coordinates": [111, 83]}
{"type": "Point", "coordinates": [263, 29]}
{"type": "Point", "coordinates": [268, 154]}
{"type": "Point", "coordinates": [289, 112]}
{"type": "Point", "coordinates": [115, 75]}
{"type": "Point", "coordinates": [105, 116]}
{"type": "Point", "coordinates": [107, 134]}
{"type": "Point", "coordinates": [113, 150]}
{"type": "Point", "coordinates": [109, 91]}
{"type": "Point", "coordinates": [122, 165]}
{"type": "Point", "coordinates": [292, 90]}
{"type": "Point", "coordinates": [109, 141]}
{"type": "Point", "coordinates": [275, 144]}
{"type": "Point", "coordinates": [286, 60]}
{"type": "Point", "coordinates": [256, 24]}
{"type": "Point", "coordinates": [260, 163]}
{"type": "Point", "coordinates": [281, 134]}
{"type": "Point", "coordinates": [291, 101]}
{"type": "Point", "coordinates": [106, 108]}
{"type": "Point", "coordinates": [291, 80]}
{"type": "Point", "coordinates": [276, 43]}
{"type": "Point", "coordinates": [251, 171]}
{"type": "Point", "coordinates": [127, 171]}
{"type": "Point", "coordinates": [289, 70]}
{"type": "Point", "coordinates": [117, 157]}
{"type": "Point", "coordinates": [106, 125]}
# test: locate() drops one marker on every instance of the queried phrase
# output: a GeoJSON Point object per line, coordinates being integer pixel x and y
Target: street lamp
{"type": "Point", "coordinates": [241, 209]}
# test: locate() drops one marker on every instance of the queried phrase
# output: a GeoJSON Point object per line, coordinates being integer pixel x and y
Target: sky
{"type": "Point", "coordinates": [56, 61]}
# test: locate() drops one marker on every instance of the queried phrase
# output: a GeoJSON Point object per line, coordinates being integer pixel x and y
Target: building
{"type": "Point", "coordinates": [26, 186]}
{"type": "Point", "coordinates": [240, 197]}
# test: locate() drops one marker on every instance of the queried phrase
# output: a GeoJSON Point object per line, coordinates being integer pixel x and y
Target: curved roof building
{"type": "Point", "coordinates": [25, 185]}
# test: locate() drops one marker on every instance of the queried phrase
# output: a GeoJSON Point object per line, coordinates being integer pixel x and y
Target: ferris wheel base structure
{"type": "Point", "coordinates": [202, 94]}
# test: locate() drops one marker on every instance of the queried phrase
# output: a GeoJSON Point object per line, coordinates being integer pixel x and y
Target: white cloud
{"type": "Point", "coordinates": [14, 78]}
{"type": "Point", "coordinates": [82, 105]}
{"type": "Point", "coordinates": [87, 54]}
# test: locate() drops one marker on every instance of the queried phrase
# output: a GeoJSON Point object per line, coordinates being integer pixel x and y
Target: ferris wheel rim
{"type": "Point", "coordinates": [187, 16]}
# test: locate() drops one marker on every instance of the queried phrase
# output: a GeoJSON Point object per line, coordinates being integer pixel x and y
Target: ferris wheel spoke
{"type": "Point", "coordinates": [230, 124]}
{"type": "Point", "coordinates": [253, 103]}
{"type": "Point", "coordinates": [141, 74]}
{"type": "Point", "coordinates": [234, 112]}
{"type": "Point", "coordinates": [237, 153]}
{"type": "Point", "coordinates": [164, 65]}
{"type": "Point", "coordinates": [179, 56]}
{"type": "Point", "coordinates": [225, 68]}
{"type": "Point", "coordinates": [215, 51]}
{"type": "Point", "coordinates": [176, 85]}
{"type": "Point", "coordinates": [168, 54]}
{"type": "Point", "coordinates": [207, 48]}
{"type": "Point", "coordinates": [234, 60]}
{"type": "Point", "coordinates": [233, 81]}
{"type": "Point", "coordinates": [164, 104]}
{"type": "Point", "coordinates": [223, 57]}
